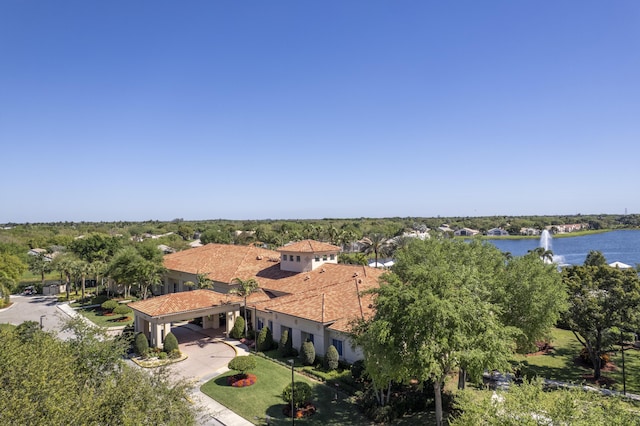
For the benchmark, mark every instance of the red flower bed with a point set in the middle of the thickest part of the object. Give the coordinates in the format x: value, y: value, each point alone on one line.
x: 242, y: 380
x: 307, y: 409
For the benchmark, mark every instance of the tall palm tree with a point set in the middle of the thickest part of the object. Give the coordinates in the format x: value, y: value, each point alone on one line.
x: 376, y: 244
x: 244, y: 289
x: 64, y: 265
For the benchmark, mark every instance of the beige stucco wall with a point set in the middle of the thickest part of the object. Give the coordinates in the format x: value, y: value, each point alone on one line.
x: 307, y: 261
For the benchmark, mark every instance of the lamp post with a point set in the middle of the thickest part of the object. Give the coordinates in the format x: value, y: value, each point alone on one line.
x: 41, y: 318
x: 293, y: 414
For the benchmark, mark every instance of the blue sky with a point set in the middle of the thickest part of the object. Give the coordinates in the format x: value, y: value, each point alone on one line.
x: 136, y: 110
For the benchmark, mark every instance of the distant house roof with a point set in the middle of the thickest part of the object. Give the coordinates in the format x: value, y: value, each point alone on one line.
x: 309, y: 246
x: 466, y: 232
x: 620, y: 265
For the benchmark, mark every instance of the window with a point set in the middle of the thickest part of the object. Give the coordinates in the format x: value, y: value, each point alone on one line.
x: 338, y: 344
x: 324, y: 257
x: 271, y: 326
x: 310, y: 338
x: 291, y: 257
x: 297, y: 258
x: 317, y: 258
x: 332, y: 257
x: 284, y: 257
x: 260, y: 323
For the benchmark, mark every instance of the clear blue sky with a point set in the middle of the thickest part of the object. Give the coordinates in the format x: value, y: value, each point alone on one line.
x: 136, y: 110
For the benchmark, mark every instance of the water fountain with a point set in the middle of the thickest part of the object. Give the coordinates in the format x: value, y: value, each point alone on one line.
x: 546, y: 243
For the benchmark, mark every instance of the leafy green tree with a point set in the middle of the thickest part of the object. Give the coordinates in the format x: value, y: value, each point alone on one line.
x: 301, y: 394
x: 49, y: 381
x: 595, y: 258
x: 96, y: 246
x: 244, y: 289
x: 601, y: 298
x: 40, y: 265
x: 64, y: 263
x: 531, y: 296
x: 11, y: 267
x: 435, y: 310
x: 532, y: 404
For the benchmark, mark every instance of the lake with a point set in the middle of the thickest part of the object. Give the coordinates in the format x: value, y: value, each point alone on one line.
x: 622, y: 246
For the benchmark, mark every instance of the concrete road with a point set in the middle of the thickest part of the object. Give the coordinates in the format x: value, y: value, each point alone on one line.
x: 35, y: 308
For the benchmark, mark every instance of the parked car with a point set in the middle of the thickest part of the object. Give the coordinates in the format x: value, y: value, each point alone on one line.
x: 29, y: 290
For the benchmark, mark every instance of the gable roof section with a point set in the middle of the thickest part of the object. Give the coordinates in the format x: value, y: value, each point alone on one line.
x: 338, y: 285
x: 308, y: 246
x: 190, y: 301
x: 222, y: 262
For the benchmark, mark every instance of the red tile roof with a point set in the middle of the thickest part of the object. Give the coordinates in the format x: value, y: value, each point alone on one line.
x: 222, y: 262
x: 309, y: 246
x: 190, y: 301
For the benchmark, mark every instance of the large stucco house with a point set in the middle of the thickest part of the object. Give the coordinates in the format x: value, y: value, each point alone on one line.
x: 303, y: 289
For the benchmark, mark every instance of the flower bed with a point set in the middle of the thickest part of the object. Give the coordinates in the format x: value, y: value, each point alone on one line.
x: 306, y: 410
x: 242, y: 380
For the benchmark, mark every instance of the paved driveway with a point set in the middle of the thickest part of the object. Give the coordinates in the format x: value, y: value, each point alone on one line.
x: 206, y: 355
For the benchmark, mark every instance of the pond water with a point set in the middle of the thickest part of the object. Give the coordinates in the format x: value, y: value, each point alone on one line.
x: 622, y: 246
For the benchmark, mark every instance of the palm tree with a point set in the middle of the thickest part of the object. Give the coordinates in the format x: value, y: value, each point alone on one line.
x: 244, y: 289
x: 376, y: 244
x: 544, y: 254
x: 39, y: 264
x: 202, y: 281
x: 64, y: 264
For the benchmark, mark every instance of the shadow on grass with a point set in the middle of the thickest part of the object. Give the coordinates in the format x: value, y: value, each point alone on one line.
x: 557, y: 365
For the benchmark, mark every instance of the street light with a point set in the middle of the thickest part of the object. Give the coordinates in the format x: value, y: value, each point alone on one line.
x: 293, y: 414
x: 41, y: 318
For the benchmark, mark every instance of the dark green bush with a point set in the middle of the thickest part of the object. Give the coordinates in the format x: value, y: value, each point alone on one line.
x: 99, y: 300
x: 284, y: 342
x: 175, y: 354
x: 301, y: 393
x: 357, y: 369
x: 109, y: 305
x: 238, y: 328
x: 308, y: 353
x: 170, y: 343
x: 243, y: 364
x: 122, y: 310
x: 265, y: 340
x: 141, y: 344
x: 332, y: 358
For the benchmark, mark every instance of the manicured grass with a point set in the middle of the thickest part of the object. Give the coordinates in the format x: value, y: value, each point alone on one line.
x: 560, y: 363
x: 255, y: 402
x: 95, y: 316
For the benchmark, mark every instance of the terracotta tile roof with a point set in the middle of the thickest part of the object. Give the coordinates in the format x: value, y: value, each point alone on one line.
x: 222, y: 262
x: 309, y: 246
x: 180, y: 302
x: 338, y: 285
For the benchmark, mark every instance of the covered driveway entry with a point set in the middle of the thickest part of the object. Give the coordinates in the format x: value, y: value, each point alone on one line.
x: 154, y: 316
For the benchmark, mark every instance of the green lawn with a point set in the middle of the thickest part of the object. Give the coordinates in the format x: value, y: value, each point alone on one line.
x: 95, y: 315
x: 560, y: 364
x: 255, y: 402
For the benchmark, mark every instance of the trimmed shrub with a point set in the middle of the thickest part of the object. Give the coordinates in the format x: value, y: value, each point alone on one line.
x: 170, y: 343
x: 332, y: 358
x: 109, y: 305
x: 141, y: 344
x: 122, y: 310
x: 238, y: 328
x: 301, y: 393
x: 175, y: 354
x: 265, y: 340
x: 284, y: 347
x: 308, y: 353
x: 99, y: 300
x: 243, y: 364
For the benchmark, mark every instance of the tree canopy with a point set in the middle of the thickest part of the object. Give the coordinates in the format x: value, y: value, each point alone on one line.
x: 601, y: 299
x: 443, y: 308
x: 47, y: 381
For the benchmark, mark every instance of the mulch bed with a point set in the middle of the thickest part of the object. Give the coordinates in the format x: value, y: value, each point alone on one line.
x: 307, y: 409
